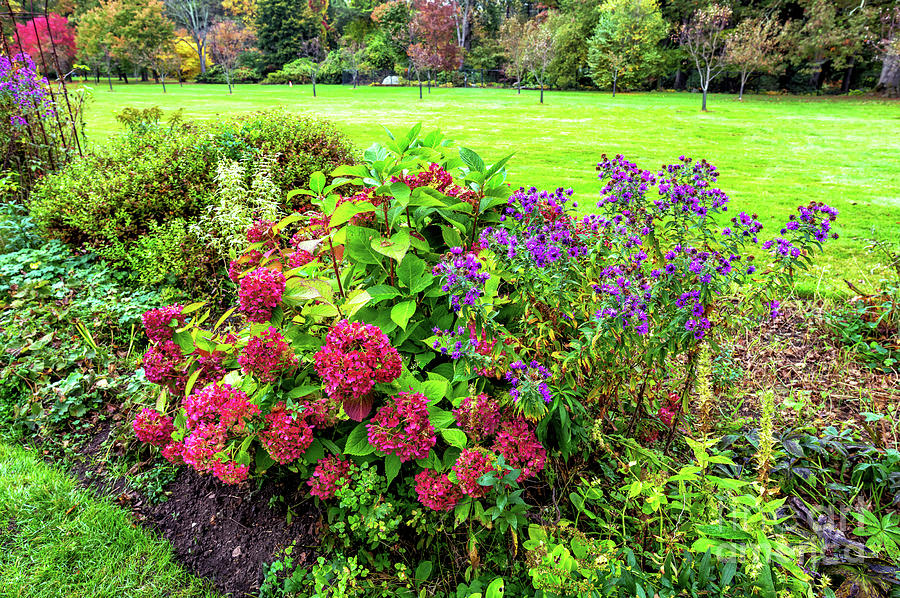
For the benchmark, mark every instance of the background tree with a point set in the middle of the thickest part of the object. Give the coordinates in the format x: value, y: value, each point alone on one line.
x: 433, y: 44
x: 539, y: 50
x: 753, y: 47
x: 352, y: 54
x: 626, y: 41
x: 573, y: 24
x: 513, y: 34
x: 313, y: 55
x: 703, y: 38
x: 95, y: 39
x: 141, y: 31
x: 282, y: 26
x: 164, y: 61
x: 228, y: 39
x: 196, y: 17
x: 889, y: 50
x: 41, y: 29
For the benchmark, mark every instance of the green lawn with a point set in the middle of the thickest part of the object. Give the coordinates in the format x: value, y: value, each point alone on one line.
x: 58, y: 540
x: 773, y: 152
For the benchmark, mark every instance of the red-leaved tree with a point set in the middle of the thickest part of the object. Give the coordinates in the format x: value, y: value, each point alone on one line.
x: 433, y: 38
x: 42, y: 28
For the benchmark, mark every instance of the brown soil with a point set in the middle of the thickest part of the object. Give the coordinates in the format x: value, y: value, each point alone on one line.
x: 223, y: 533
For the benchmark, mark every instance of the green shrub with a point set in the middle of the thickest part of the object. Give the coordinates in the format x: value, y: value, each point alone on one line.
x: 216, y: 74
x: 133, y: 202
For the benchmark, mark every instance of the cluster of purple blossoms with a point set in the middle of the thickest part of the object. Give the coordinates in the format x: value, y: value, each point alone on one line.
x: 813, y: 224
x: 626, y: 184
x: 746, y: 226
x: 23, y: 87
x: 528, y: 380
x: 531, y: 206
x: 462, y: 278
x: 698, y: 323
x: 686, y: 188
x: 626, y: 300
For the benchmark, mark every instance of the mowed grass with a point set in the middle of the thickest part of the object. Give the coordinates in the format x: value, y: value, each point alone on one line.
x: 773, y: 152
x: 58, y: 540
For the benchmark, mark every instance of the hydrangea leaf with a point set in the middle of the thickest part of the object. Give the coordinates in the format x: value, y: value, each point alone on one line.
x: 454, y: 437
x: 391, y: 467
x: 402, y: 312
x: 358, y: 440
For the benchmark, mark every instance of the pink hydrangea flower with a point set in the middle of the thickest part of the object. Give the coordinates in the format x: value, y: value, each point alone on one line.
x: 402, y: 427
x: 260, y: 232
x: 354, y: 358
x: 201, y: 446
x: 153, y: 427
x: 322, y: 412
x: 158, y: 322
x: 172, y: 453
x: 162, y: 365
x: 287, y: 434
x: 436, y: 491
x: 300, y: 258
x: 219, y: 404
x: 478, y: 416
x: 230, y: 472
x: 211, y: 368
x: 325, y: 478
x: 471, y: 465
x: 267, y: 355
x: 517, y: 442
x: 260, y: 292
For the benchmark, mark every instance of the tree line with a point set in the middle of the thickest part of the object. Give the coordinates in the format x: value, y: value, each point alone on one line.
x: 797, y: 45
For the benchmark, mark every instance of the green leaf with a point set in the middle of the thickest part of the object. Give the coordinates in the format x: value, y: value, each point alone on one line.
x: 402, y: 312
x: 380, y: 292
x: 725, y: 532
x: 423, y: 571
x: 401, y: 192
x: 471, y: 159
x: 317, y: 182
x: 184, y: 340
x: 454, y: 437
x: 391, y: 467
x: 314, y: 452
x: 496, y: 589
x: 394, y: 248
x: 440, y: 418
x: 263, y: 461
x: 451, y: 236
x: 461, y: 512
x: 411, y: 270
x: 348, y: 210
x: 358, y: 442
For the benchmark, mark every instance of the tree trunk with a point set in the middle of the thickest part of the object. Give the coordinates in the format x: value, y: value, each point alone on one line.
x: 677, y: 83
x: 615, y: 77
x: 228, y: 80
x: 743, y: 82
x: 848, y: 75
x: 519, y: 85
x: 419, y: 77
x: 314, y: 84
x: 704, y: 100
x: 429, y: 82
x: 162, y: 80
x: 124, y: 76
x: 889, y: 80
x: 542, y: 91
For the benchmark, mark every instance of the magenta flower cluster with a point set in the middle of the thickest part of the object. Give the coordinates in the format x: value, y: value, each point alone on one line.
x: 287, y: 434
x: 436, y: 492
x: 471, y: 466
x: 267, y: 355
x: 158, y: 323
x: 330, y: 472
x: 518, y: 443
x: 260, y: 292
x: 163, y: 365
x: 354, y: 358
x: 153, y: 427
x: 402, y: 427
x: 478, y: 416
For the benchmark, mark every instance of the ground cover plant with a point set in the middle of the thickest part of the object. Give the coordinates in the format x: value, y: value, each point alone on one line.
x: 763, y: 145
x: 387, y: 349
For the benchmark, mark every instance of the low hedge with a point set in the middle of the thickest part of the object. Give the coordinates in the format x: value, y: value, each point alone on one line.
x: 133, y: 201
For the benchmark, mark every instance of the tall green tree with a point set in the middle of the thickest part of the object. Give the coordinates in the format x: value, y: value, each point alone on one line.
x: 283, y: 27
x: 703, y: 38
x: 625, y: 45
x: 753, y: 47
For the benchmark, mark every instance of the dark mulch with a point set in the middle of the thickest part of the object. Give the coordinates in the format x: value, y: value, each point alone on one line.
x: 223, y: 533
x: 9, y: 532
x: 228, y: 533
